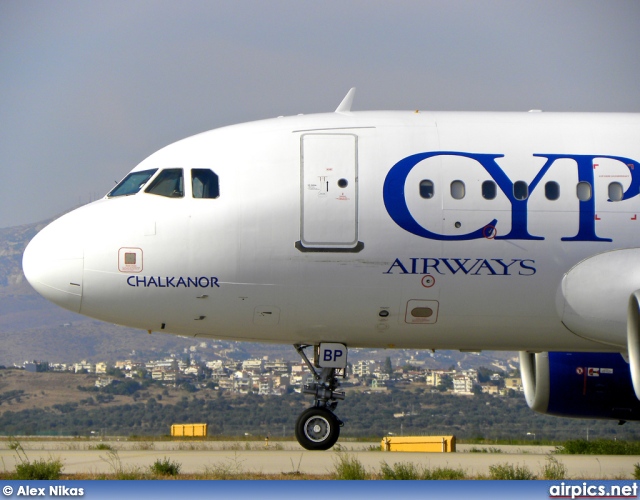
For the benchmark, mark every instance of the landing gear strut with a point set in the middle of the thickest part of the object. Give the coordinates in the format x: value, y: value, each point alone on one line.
x: 318, y: 428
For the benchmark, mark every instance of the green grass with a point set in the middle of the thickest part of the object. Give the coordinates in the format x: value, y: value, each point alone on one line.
x: 441, y: 473
x: 121, y: 472
x: 348, y: 467
x: 101, y: 446
x: 518, y: 442
x: 410, y: 471
x: 598, y: 447
x: 400, y: 471
x: 165, y: 467
x: 41, y: 469
x: 510, y: 472
x: 554, y: 469
x: 491, y: 449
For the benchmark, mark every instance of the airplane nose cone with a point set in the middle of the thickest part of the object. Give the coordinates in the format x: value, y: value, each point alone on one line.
x: 53, y: 263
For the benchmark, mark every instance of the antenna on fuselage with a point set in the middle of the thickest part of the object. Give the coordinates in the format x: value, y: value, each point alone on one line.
x: 345, y: 105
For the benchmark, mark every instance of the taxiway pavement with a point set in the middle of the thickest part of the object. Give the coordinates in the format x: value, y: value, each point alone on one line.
x: 289, y: 457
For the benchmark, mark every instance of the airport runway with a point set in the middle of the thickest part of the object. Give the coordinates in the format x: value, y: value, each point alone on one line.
x: 287, y: 457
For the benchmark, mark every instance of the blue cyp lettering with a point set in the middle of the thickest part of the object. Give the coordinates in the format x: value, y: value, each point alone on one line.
x: 396, y: 204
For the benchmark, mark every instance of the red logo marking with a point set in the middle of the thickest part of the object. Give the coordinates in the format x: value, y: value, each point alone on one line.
x: 489, y: 232
x: 428, y: 281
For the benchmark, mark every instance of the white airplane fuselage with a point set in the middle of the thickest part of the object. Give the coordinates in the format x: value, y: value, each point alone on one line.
x: 325, y: 230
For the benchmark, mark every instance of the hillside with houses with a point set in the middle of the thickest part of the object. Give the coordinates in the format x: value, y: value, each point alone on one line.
x: 213, y: 365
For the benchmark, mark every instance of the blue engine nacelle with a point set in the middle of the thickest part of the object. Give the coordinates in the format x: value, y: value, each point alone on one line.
x: 579, y: 385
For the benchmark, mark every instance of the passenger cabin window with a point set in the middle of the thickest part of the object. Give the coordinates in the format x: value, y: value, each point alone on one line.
x: 520, y: 190
x: 615, y: 191
x: 583, y: 191
x: 132, y: 183
x: 426, y: 189
x: 168, y: 183
x: 552, y: 190
x: 489, y: 190
x: 204, y: 183
x: 457, y: 190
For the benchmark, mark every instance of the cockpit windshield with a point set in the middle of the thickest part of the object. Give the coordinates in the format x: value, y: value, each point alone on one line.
x: 168, y: 183
x: 132, y: 183
x: 204, y: 183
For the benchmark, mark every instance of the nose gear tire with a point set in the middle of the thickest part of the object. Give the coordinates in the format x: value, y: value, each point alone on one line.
x: 317, y: 429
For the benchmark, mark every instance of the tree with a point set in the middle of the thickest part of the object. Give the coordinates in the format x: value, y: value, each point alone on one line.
x: 189, y: 387
x: 42, y: 366
x: 484, y: 374
x: 128, y: 387
x: 112, y: 371
x: 204, y: 373
x: 446, y: 382
x: 388, y: 367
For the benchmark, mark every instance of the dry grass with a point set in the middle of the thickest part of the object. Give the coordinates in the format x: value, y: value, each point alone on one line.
x: 48, y: 389
x: 42, y: 390
x: 202, y: 476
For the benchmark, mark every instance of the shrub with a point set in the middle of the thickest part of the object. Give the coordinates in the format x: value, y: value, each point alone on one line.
x: 39, y: 469
x: 101, y: 446
x: 119, y: 471
x: 510, y: 472
x: 232, y: 468
x: 348, y: 467
x: 165, y: 467
x: 485, y: 450
x: 399, y: 471
x: 443, y: 473
x: 554, y: 469
x: 409, y: 471
x: 598, y: 447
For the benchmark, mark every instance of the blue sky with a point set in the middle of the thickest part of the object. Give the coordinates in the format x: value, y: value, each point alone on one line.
x: 88, y: 89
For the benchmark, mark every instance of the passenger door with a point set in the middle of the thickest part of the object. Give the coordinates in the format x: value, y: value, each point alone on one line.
x: 329, y: 193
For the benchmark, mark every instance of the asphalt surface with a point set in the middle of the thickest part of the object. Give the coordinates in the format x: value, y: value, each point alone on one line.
x: 287, y: 457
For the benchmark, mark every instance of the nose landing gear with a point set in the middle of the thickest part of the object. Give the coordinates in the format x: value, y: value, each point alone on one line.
x: 318, y: 428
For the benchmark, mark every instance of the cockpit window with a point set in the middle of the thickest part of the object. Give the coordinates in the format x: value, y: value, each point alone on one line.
x: 168, y: 183
x: 204, y: 183
x: 132, y: 183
